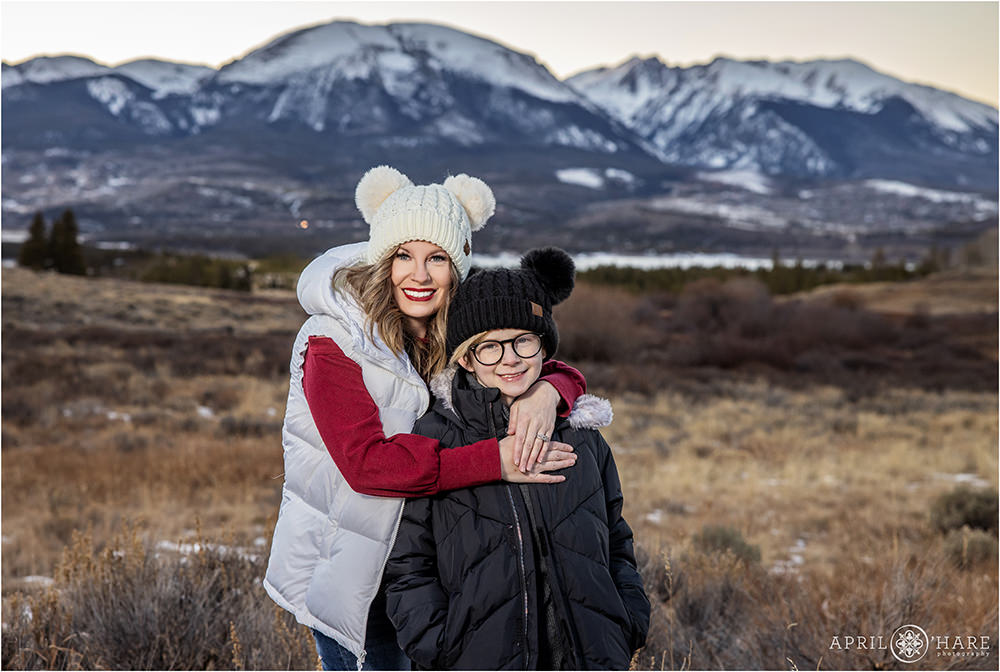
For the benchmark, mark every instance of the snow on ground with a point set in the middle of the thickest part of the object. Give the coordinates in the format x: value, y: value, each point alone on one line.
x: 744, y: 179
x: 655, y: 516
x: 795, y: 559
x: 964, y: 479
x: 13, y: 235
x: 192, y: 548
x: 113, y: 245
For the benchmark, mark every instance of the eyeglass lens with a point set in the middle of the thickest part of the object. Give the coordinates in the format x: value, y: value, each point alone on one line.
x: 491, y: 352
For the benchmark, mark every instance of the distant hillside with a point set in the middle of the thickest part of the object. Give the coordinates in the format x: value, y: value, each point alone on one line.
x: 728, y: 156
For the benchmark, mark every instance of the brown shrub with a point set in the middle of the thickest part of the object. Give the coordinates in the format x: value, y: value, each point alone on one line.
x: 125, y: 608
x: 598, y: 324
x: 715, y: 612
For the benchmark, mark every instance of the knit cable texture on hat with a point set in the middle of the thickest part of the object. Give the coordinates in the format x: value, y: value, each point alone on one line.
x: 397, y: 211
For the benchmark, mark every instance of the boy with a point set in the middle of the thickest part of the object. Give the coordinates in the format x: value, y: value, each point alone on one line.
x: 504, y: 576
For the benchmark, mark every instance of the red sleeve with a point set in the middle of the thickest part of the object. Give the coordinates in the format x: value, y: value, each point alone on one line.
x: 402, y: 465
x: 569, y: 383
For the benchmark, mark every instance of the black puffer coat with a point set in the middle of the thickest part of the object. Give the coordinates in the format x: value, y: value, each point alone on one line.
x: 503, y: 576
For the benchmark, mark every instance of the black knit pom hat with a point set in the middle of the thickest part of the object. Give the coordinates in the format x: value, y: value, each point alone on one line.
x: 513, y: 298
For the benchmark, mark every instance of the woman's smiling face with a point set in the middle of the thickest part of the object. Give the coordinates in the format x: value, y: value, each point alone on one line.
x: 513, y: 374
x: 421, y: 278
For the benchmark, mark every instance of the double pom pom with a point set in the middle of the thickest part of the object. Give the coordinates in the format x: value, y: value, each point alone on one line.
x: 381, y: 182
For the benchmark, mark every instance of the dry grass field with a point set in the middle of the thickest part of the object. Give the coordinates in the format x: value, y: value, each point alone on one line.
x: 782, y: 488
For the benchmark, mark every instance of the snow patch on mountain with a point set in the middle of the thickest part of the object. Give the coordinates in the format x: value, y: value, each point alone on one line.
x: 45, y: 69
x: 584, y: 138
x: 737, y: 215
x: 205, y: 116
x: 583, y: 177
x: 11, y: 76
x: 619, y: 175
x: 305, y: 49
x: 623, y: 90
x: 164, y: 77
x: 114, y: 93
x: 482, y: 58
x: 934, y: 195
x: 593, y: 178
x: 357, y: 51
x: 744, y: 179
x: 642, y: 91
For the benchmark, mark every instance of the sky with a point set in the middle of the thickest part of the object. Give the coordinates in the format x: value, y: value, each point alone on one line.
x: 949, y: 45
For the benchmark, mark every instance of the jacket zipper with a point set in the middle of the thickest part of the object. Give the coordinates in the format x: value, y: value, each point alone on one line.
x: 520, y: 551
x: 524, y: 583
x: 555, y: 581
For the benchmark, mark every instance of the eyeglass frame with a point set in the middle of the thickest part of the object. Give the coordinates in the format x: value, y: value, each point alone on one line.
x: 503, y: 347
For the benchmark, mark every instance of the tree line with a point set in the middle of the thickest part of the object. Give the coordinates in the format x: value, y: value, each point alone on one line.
x: 57, y: 249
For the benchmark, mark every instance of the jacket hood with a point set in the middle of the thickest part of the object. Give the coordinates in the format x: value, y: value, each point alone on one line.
x: 315, y: 286
x: 589, y: 411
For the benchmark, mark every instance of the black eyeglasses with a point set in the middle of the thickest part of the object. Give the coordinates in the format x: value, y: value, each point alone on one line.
x: 524, y: 346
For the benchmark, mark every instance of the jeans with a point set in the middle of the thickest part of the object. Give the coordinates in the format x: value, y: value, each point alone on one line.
x: 381, y: 650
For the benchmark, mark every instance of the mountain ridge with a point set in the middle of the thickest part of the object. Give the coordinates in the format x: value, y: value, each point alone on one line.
x: 285, y: 131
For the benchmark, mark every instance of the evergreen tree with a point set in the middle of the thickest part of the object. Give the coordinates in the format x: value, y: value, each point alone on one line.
x: 35, y: 249
x: 67, y: 257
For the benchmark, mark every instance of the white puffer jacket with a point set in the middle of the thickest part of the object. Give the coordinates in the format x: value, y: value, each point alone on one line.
x: 330, y: 543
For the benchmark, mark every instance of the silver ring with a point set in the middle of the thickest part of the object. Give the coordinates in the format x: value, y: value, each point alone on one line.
x: 543, y: 437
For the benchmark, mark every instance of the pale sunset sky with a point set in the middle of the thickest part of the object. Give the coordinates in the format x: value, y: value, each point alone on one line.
x: 949, y: 45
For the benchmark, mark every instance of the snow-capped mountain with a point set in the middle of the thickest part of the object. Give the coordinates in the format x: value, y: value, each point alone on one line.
x: 821, y: 118
x: 46, y: 69
x: 423, y: 80
x: 164, y: 77
x: 406, y: 83
x: 396, y: 52
x: 638, y: 156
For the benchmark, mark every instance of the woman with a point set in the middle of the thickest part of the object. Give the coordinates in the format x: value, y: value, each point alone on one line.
x: 358, y: 371
x: 501, y: 576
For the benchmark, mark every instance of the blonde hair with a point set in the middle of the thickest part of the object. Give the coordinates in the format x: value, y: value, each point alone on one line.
x: 465, y: 347
x: 371, y: 285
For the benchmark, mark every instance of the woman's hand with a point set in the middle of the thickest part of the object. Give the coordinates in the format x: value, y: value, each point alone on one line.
x: 558, y: 456
x: 532, y: 417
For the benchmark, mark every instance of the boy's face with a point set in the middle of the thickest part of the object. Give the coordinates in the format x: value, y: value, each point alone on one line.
x: 512, y: 374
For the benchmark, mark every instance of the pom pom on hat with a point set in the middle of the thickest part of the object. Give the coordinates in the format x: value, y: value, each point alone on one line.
x: 475, y: 196
x: 397, y: 211
x: 555, y: 271
x: 509, y: 298
x: 377, y: 185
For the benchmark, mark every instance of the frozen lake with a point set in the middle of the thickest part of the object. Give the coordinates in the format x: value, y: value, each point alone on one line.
x: 588, y: 260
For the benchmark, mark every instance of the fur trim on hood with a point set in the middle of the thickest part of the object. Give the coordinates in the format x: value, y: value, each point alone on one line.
x: 589, y: 411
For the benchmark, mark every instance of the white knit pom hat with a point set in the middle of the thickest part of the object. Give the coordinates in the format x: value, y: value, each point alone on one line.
x: 445, y: 214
